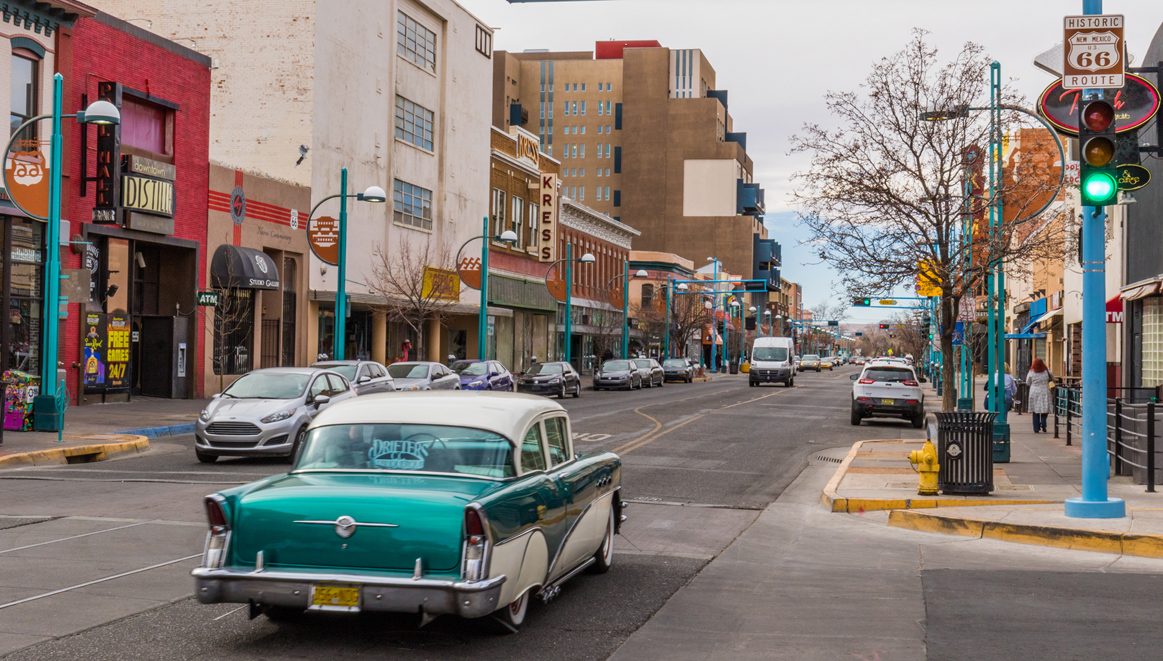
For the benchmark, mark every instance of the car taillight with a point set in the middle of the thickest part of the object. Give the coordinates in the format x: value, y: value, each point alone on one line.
x: 866, y: 381
x: 910, y: 401
x: 911, y: 383
x: 217, y: 539
x: 864, y: 399
x: 476, y: 546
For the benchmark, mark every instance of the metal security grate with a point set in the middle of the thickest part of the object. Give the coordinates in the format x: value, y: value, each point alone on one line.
x: 833, y: 460
x: 232, y: 429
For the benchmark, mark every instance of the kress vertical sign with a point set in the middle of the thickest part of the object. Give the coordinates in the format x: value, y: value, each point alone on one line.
x: 547, y: 223
x: 108, y: 160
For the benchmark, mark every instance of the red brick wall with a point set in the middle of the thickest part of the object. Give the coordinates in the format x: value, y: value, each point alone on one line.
x: 95, y: 52
x: 590, y: 280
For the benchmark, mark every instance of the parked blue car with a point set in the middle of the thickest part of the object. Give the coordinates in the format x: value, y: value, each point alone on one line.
x: 478, y: 374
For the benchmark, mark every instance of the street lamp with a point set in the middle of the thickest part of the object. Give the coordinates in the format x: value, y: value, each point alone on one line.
x: 374, y: 195
x: 625, y: 274
x: 46, y: 415
x: 682, y: 288
x: 569, y: 261
x: 732, y: 309
x: 508, y: 237
x: 714, y: 310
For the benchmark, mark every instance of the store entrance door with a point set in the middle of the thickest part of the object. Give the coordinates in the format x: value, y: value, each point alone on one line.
x: 163, y: 356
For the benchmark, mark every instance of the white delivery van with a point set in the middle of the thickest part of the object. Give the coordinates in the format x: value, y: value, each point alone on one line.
x: 772, y: 361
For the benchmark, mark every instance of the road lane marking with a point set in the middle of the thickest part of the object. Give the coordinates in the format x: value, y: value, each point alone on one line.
x: 95, y: 582
x: 230, y: 613
x: 634, y: 445
x: 65, y: 539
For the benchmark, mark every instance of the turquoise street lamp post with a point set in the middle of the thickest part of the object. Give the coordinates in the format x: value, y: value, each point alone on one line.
x: 46, y: 413
x: 373, y: 194
x: 625, y: 276
x: 509, y: 237
x: 569, y: 260
x: 714, y: 312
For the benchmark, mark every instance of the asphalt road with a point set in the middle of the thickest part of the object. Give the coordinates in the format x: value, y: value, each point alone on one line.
x: 701, y: 461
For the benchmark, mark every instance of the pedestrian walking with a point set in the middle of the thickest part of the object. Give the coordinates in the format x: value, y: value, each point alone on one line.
x: 1009, y: 390
x: 1039, y: 380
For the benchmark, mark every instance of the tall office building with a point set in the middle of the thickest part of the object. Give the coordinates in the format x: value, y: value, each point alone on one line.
x: 643, y: 135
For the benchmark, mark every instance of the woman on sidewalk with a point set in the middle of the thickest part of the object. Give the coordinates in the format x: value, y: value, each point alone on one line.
x: 1039, y: 382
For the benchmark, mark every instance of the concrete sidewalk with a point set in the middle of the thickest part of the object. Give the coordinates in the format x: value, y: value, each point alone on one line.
x: 1025, y: 506
x: 102, y: 431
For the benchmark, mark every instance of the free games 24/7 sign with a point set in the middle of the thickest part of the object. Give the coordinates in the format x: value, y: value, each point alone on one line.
x: 1094, y: 52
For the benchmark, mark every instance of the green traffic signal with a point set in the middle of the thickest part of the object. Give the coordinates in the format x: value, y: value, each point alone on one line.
x: 861, y: 302
x: 1099, y: 189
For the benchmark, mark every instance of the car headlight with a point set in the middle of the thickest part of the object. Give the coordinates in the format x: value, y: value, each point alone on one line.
x: 205, y: 415
x: 556, y: 379
x: 472, y: 385
x: 276, y: 417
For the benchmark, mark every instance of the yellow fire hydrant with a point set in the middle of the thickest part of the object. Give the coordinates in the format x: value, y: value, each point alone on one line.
x: 926, y: 461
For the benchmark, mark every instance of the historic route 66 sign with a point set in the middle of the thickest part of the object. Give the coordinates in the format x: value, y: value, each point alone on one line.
x: 1094, y: 52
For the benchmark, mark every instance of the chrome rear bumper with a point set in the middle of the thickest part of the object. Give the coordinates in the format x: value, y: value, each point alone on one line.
x: 376, y: 593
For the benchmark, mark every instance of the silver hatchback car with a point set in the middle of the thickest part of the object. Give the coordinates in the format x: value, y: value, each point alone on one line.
x: 265, y: 412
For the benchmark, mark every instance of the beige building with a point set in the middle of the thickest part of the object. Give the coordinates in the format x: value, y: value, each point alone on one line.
x: 392, y: 90
x: 644, y: 136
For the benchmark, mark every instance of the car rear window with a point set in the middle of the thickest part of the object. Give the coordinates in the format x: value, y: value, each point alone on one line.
x: 545, y: 368
x: 674, y: 362
x: 412, y: 448
x: 408, y: 371
x: 615, y: 366
x: 894, y: 374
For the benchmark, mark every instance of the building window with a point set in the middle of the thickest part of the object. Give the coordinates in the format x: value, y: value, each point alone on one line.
x: 413, y: 205
x: 583, y: 130
x: 583, y: 151
x: 582, y: 194
x: 416, y: 43
x: 583, y: 108
x: 599, y: 108
x: 24, y: 75
x: 647, y: 295
x: 413, y: 123
x: 484, y: 42
x: 575, y: 107
x: 1152, y: 341
x: 518, y: 221
x: 573, y: 150
x: 583, y: 87
x: 607, y: 108
x: 583, y: 172
x: 531, y: 226
x: 498, y: 212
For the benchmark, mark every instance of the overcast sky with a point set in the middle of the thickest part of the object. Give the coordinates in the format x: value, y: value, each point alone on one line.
x: 778, y: 58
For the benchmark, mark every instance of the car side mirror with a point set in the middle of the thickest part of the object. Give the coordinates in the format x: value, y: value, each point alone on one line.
x: 364, y: 379
x: 854, y: 376
x: 216, y: 395
x: 494, y: 373
x: 321, y: 400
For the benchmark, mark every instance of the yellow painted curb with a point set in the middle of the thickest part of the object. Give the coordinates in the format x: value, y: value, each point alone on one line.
x: 79, y: 453
x: 838, y: 503
x: 1102, y: 541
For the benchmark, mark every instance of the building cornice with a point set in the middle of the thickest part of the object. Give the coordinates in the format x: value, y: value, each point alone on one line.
x: 584, y: 219
x: 523, y: 166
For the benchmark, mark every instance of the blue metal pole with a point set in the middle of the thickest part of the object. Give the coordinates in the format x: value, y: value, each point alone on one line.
x: 52, y: 282
x: 341, y: 290
x: 1094, y: 503
x: 568, y: 299
x: 626, y: 308
x: 715, y: 317
x: 669, y: 286
x: 483, y: 320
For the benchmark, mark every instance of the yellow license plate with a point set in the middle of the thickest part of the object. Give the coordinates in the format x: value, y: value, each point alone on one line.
x: 327, y: 596
x: 887, y: 401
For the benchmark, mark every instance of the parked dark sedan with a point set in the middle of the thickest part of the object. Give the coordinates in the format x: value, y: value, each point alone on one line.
x: 678, y: 369
x: 476, y: 374
x: 617, y: 374
x: 551, y: 379
x: 366, y: 376
x: 650, y: 371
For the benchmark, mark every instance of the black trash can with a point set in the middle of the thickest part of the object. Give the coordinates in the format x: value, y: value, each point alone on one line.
x: 965, y: 452
x: 734, y: 365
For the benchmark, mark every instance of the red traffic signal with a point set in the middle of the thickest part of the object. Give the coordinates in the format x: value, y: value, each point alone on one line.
x: 883, y: 326
x: 1098, y: 116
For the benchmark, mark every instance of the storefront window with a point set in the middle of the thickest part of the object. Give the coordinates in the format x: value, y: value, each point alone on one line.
x: 25, y: 295
x: 233, y: 331
x: 143, y: 125
x: 1152, y: 341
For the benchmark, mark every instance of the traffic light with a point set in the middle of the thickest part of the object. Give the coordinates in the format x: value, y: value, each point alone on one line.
x: 883, y: 326
x: 1096, y: 137
x: 861, y: 302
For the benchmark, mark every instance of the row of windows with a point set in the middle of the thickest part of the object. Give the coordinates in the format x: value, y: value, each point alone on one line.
x: 575, y: 172
x: 579, y: 151
x: 607, y: 87
x: 574, y: 107
x: 574, y: 130
x: 579, y: 192
x: 609, y: 263
x: 521, y: 219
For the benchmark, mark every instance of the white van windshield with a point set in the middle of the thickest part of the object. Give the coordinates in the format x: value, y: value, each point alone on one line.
x: 777, y: 354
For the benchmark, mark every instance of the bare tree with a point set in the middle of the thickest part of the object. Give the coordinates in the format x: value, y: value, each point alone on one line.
x: 688, y: 314
x: 231, y: 326
x: 417, y: 281
x: 889, y: 193
x: 607, y: 325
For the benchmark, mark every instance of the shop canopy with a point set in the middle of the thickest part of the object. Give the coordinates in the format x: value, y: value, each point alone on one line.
x: 235, y: 267
x: 1049, y: 316
x: 1140, y: 290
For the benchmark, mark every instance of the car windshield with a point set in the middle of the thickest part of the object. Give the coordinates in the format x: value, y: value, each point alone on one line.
x: 642, y: 363
x: 892, y: 374
x: 406, y: 371
x: 413, y: 448
x: 348, y: 371
x: 769, y: 353
x: 615, y: 366
x: 545, y: 368
x: 268, y: 385
x: 469, y: 369
x: 674, y: 362
x: 811, y: 357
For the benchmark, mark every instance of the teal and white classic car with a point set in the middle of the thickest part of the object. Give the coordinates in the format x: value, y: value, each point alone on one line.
x: 435, y: 503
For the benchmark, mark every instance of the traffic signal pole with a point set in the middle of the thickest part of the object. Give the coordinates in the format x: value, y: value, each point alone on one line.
x: 1094, y: 502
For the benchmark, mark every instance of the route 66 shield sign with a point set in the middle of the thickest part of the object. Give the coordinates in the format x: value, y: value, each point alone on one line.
x: 1094, y: 52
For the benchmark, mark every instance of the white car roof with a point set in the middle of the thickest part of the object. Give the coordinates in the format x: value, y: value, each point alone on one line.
x: 507, y: 414
x: 888, y: 363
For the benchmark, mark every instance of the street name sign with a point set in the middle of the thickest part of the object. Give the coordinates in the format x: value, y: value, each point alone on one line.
x: 1094, y: 52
